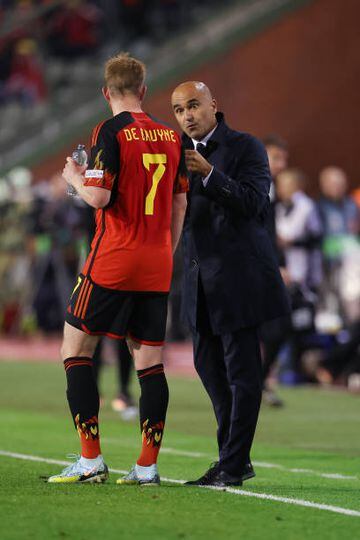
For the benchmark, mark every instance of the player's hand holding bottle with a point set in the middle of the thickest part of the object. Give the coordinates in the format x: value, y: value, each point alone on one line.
x: 75, y: 166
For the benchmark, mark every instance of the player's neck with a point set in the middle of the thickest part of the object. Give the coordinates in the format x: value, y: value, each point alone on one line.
x: 128, y: 104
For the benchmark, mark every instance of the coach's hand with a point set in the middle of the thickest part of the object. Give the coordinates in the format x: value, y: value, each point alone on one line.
x: 196, y: 163
x: 72, y: 171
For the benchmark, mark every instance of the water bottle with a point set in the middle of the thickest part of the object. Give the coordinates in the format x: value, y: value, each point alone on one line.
x: 80, y: 156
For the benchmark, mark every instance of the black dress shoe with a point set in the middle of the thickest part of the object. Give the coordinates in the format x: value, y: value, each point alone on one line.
x: 216, y: 478
x: 222, y: 479
x: 203, y: 480
x: 248, y: 472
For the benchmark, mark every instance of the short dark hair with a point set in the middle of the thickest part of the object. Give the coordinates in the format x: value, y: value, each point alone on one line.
x: 275, y: 140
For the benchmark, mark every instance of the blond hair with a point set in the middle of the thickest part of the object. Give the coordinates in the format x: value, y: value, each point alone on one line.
x: 124, y: 75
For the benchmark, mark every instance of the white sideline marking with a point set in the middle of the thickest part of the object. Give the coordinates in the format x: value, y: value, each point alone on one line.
x: 264, y: 465
x: 333, y: 476
x: 298, y: 502
x: 28, y: 457
x: 260, y: 464
x: 265, y: 496
x: 184, y: 453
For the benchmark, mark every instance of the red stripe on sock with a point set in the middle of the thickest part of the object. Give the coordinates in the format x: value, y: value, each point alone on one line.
x: 73, y: 364
x: 149, y: 373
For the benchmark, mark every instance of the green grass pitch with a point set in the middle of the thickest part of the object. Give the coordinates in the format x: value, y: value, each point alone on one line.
x: 308, y: 451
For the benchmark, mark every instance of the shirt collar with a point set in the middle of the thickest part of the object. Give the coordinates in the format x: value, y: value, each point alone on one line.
x: 205, y: 139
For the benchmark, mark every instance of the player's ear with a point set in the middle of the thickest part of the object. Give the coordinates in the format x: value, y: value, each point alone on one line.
x: 106, y: 93
x: 143, y: 91
x: 214, y: 105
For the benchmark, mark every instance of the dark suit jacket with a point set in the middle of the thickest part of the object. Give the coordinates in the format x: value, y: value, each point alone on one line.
x: 225, y: 240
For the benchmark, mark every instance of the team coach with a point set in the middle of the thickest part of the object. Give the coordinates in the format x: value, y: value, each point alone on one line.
x: 232, y: 281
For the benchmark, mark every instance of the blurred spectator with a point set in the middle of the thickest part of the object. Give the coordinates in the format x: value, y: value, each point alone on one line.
x: 57, y: 232
x: 274, y: 333
x: 73, y: 31
x: 340, y: 218
x: 338, y: 211
x: 16, y: 198
x: 298, y: 230
x: 278, y: 155
x: 26, y: 82
x: 342, y: 363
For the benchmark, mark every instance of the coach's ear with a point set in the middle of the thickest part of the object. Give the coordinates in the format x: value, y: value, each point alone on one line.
x: 106, y: 93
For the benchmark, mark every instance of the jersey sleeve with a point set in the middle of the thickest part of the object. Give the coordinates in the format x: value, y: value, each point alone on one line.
x: 103, y: 167
x: 181, y: 184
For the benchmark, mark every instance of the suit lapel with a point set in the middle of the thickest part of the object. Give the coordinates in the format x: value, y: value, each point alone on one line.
x: 210, y: 148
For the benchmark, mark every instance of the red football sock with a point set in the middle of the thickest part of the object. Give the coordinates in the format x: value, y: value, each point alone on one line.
x: 89, y: 437
x: 151, y: 442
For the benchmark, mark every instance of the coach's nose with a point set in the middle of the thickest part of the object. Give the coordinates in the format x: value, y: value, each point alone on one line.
x: 189, y: 114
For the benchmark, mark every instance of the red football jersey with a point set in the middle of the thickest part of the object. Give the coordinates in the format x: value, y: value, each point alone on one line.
x: 140, y: 160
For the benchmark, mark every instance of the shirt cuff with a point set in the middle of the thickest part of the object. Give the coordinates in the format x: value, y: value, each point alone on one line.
x: 206, y: 179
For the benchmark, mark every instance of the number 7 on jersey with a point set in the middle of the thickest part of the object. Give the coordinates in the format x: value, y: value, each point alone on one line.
x: 159, y: 160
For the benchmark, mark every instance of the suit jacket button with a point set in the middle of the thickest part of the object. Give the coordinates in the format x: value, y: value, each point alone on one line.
x: 226, y: 191
x: 194, y: 262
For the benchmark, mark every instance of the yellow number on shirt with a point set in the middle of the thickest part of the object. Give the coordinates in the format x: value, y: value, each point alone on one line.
x: 159, y: 160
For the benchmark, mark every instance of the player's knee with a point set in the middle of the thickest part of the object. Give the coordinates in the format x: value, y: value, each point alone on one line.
x: 145, y: 356
x: 69, y: 350
x: 76, y: 343
x: 64, y: 350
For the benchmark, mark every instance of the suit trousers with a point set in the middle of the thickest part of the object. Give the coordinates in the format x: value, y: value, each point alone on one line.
x: 229, y: 366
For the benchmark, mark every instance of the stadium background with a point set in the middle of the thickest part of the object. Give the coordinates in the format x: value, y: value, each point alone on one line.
x: 288, y: 67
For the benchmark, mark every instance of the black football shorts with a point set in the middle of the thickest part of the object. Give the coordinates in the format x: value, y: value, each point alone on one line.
x: 101, y: 311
